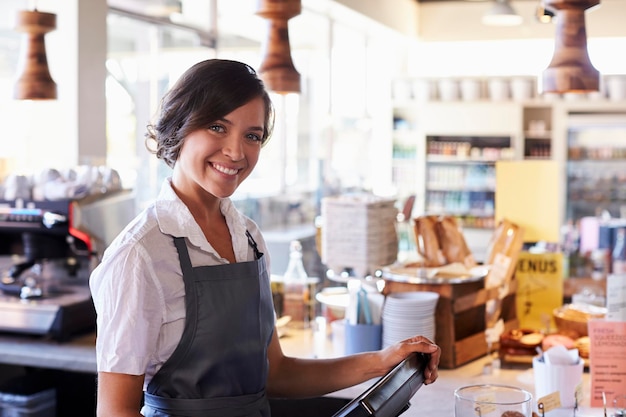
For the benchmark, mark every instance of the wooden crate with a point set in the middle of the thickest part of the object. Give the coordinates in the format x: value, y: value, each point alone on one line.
x: 460, y: 317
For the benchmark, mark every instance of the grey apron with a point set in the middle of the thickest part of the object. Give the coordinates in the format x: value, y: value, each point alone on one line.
x: 220, y: 366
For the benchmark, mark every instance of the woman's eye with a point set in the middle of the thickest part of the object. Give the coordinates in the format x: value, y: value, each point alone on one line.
x: 216, y: 128
x: 254, y: 137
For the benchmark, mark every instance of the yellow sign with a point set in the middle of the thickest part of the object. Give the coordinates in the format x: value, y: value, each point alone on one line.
x: 528, y: 193
x: 539, y: 289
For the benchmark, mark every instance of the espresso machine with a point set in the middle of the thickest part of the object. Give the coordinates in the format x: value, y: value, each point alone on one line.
x: 47, y: 252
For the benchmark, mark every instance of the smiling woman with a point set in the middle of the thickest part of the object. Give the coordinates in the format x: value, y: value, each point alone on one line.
x: 193, y: 265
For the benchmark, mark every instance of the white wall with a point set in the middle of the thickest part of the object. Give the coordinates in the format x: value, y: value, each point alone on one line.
x: 70, y: 130
x: 400, y: 15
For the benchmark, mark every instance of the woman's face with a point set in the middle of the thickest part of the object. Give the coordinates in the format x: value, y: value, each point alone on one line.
x: 217, y: 159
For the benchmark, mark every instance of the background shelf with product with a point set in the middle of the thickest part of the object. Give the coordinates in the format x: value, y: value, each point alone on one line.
x: 404, y: 152
x: 456, y: 147
x: 461, y: 178
x: 596, y: 157
x: 585, y: 138
x: 537, y: 131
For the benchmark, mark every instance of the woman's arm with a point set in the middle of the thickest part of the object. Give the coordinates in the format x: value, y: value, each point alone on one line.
x: 295, y: 377
x: 119, y: 395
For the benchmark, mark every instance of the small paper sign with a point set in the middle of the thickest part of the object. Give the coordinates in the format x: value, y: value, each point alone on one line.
x: 550, y: 401
x: 607, y: 358
x: 539, y: 288
x: 579, y: 393
x: 488, y: 407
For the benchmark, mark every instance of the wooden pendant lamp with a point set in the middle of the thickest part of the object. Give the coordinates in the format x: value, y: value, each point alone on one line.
x: 570, y: 69
x: 277, y: 70
x: 35, y: 82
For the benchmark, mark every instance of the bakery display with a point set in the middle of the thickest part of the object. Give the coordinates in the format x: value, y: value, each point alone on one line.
x: 418, y: 273
x: 520, y: 342
x: 556, y: 339
x: 520, y: 345
x: 574, y: 317
x: 582, y: 344
x: 440, y: 241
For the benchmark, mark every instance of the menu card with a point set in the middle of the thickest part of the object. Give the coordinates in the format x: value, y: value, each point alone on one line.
x: 539, y: 288
x: 607, y: 360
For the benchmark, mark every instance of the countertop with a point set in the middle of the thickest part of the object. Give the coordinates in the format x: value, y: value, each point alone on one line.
x: 78, y: 355
x: 437, y: 399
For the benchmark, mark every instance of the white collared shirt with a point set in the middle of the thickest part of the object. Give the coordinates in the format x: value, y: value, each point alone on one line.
x: 138, y: 290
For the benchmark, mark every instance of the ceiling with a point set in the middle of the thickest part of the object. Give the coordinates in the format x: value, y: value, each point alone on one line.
x: 473, y: 1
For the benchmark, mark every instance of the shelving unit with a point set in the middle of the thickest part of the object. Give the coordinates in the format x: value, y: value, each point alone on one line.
x: 404, y: 153
x: 595, y: 186
x: 537, y: 129
x: 456, y: 146
x: 461, y: 177
x: 596, y: 157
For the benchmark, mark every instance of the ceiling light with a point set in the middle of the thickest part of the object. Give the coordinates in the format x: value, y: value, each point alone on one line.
x: 571, y: 69
x: 501, y: 14
x: 543, y: 14
x: 34, y: 82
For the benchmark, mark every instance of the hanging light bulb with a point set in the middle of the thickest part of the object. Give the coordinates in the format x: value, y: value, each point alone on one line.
x: 543, y: 14
x: 34, y: 82
x: 501, y: 14
x: 277, y: 69
x: 571, y: 69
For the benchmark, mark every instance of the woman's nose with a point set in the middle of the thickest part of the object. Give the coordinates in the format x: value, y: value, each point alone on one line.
x: 233, y: 148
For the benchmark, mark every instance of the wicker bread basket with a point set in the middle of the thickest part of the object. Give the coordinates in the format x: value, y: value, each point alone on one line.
x: 574, y: 317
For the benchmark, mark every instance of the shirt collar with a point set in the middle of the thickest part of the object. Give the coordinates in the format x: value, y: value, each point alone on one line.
x: 175, y: 219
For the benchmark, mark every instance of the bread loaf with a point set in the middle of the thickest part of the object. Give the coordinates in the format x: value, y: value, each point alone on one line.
x: 452, y: 242
x: 427, y: 241
x: 507, y: 240
x: 504, y: 248
x: 440, y: 241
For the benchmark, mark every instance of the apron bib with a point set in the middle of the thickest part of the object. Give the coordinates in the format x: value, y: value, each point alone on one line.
x: 220, y: 366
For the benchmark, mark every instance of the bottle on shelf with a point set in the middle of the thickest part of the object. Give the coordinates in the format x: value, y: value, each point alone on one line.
x: 295, y: 279
x: 618, y: 255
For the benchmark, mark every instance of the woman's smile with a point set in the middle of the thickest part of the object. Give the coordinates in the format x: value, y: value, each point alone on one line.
x: 223, y: 169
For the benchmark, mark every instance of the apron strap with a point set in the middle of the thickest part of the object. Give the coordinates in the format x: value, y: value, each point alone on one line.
x: 252, y: 242
x: 183, y: 255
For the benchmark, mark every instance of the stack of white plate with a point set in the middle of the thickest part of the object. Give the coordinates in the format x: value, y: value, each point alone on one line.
x: 408, y: 314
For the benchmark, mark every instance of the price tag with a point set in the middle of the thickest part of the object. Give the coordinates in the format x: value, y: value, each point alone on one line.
x: 578, y: 393
x: 485, y: 404
x: 550, y: 401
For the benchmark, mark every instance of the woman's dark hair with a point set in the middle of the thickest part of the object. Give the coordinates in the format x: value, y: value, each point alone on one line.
x: 206, y: 92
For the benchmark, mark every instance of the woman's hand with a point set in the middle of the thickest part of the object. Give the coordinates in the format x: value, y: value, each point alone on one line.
x: 394, y: 354
x: 305, y: 377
